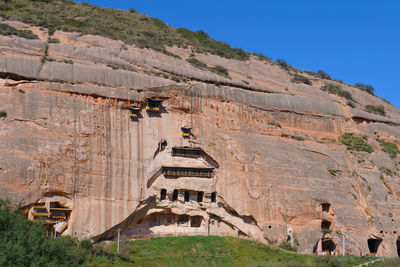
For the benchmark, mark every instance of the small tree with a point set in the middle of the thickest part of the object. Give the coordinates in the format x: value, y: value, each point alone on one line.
x: 365, y: 87
x: 323, y: 74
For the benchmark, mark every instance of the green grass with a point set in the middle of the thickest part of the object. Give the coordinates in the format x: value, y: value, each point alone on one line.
x: 389, y: 148
x: 355, y: 143
x: 378, y: 109
x: 218, y: 251
x: 8, y: 30
x: 3, y: 114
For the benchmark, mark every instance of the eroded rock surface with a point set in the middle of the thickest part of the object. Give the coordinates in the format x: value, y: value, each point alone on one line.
x: 69, y: 138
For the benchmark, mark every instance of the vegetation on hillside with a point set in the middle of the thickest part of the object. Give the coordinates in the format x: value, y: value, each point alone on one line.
x: 355, y: 143
x: 217, y: 69
x: 365, y: 87
x: 24, y: 243
x: 378, y: 109
x: 297, y: 78
x: 3, y: 114
x: 128, y: 26
x: 8, y: 30
x: 337, y: 90
x: 389, y: 148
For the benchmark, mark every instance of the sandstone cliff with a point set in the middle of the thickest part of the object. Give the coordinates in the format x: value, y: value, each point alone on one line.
x: 279, y: 171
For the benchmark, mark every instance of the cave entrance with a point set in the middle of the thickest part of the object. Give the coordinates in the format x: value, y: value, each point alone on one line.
x: 187, y: 196
x: 325, y: 224
x: 398, y: 246
x: 328, y: 245
x: 325, y: 207
x: 163, y: 194
x: 200, y: 196
x: 373, y: 245
x: 214, y: 197
x: 175, y: 195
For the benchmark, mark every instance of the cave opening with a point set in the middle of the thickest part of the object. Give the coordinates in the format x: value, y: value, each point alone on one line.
x: 200, y: 196
x: 325, y: 207
x: 373, y: 245
x: 214, y: 197
x: 325, y: 224
x: 186, y: 196
x: 175, y: 195
x: 398, y: 246
x: 163, y: 194
x: 328, y: 245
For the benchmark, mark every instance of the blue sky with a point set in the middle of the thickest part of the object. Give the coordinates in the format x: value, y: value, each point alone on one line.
x: 352, y: 40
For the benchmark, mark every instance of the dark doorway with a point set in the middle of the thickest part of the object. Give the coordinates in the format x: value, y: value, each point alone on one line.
x: 163, y: 194
x: 325, y: 224
x: 325, y: 207
x: 328, y: 245
x: 175, y: 195
x: 214, y: 197
x: 373, y: 245
x: 200, y: 196
x: 398, y: 246
x: 187, y: 195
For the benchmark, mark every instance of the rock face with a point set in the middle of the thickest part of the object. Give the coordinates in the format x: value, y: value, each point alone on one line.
x: 270, y: 165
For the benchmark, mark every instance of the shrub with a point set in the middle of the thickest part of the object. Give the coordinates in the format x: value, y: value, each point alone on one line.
x: 365, y: 87
x: 203, y: 43
x: 298, y: 138
x: 389, y: 148
x: 355, y: 143
x: 217, y: 69
x: 8, y: 30
x: 262, y: 57
x: 196, y: 63
x: 386, y: 171
x: 275, y: 124
x: 337, y: 90
x: 333, y: 172
x: 3, y: 114
x: 379, y: 109
x: 297, y: 78
x: 323, y: 74
x: 53, y: 41
x: 281, y: 62
x: 220, y: 71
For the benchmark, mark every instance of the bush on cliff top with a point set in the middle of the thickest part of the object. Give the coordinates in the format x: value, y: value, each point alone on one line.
x: 355, y: 143
x: 297, y: 78
x: 130, y: 27
x: 8, y: 30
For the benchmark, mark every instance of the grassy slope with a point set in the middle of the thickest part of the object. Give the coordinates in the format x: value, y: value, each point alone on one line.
x: 130, y: 27
x: 218, y: 251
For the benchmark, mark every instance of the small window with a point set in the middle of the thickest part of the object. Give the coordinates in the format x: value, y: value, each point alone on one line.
x: 175, y: 195
x: 214, y: 197
x: 187, y: 195
x: 325, y: 207
x: 200, y: 196
x: 163, y: 195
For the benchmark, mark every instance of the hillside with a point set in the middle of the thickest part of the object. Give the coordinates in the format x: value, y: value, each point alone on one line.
x: 220, y: 251
x: 101, y: 135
